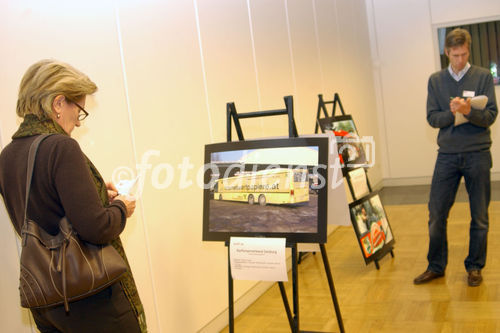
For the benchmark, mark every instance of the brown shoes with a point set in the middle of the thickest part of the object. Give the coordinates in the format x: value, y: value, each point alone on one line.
x: 427, y: 276
x: 474, y: 279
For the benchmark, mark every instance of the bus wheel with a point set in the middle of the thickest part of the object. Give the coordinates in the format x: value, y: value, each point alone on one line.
x: 262, y: 200
x: 220, y: 196
x: 251, y: 200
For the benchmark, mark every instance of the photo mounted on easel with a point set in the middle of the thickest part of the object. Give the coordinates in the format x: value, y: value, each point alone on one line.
x: 267, y: 188
x: 372, y: 227
x: 359, y: 183
x: 351, y: 151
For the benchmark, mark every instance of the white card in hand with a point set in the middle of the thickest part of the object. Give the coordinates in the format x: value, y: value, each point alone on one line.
x: 124, y: 186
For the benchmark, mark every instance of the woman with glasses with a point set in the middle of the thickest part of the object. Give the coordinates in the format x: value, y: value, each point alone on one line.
x: 51, y: 100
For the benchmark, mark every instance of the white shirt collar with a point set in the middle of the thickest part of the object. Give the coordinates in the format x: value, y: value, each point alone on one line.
x: 460, y: 74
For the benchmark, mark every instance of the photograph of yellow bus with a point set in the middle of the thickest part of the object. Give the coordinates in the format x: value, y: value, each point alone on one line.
x: 266, y: 189
x: 270, y: 186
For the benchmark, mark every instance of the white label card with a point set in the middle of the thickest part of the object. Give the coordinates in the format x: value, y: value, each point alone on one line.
x: 468, y: 93
x: 260, y: 259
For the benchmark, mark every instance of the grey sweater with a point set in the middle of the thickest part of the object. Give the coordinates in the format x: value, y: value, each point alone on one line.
x: 471, y: 136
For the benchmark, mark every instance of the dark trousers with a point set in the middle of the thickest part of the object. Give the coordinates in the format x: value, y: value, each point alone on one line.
x: 475, y: 168
x: 108, y: 311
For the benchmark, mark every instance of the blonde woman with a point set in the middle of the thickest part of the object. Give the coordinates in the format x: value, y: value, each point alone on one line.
x: 51, y: 99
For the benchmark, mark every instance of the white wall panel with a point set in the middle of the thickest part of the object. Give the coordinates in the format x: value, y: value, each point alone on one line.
x: 229, y: 64
x: 406, y: 61
x: 274, y: 65
x: 306, y: 63
x: 449, y: 11
x: 329, y: 47
x: 230, y: 75
x: 355, y: 84
x: 169, y: 115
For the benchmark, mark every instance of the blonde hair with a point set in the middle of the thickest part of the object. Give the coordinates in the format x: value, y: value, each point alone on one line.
x: 45, y: 80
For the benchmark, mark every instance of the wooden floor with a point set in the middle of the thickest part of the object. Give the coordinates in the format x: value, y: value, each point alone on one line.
x: 386, y: 300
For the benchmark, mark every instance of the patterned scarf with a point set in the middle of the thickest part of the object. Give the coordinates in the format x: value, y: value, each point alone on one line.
x: 32, y: 125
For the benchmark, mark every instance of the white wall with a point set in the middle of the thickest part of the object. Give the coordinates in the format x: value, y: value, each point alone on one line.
x: 404, y: 54
x: 165, y: 71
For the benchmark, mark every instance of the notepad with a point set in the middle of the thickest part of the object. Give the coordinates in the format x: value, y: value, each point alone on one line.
x: 477, y: 102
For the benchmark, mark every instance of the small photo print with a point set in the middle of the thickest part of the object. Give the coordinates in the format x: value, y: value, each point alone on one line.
x: 350, y: 147
x: 371, y: 225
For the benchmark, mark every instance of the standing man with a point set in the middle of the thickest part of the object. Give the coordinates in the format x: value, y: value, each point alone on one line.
x: 464, y: 150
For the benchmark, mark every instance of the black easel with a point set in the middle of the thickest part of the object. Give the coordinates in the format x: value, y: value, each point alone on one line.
x: 293, y: 318
x: 231, y: 113
x: 322, y: 107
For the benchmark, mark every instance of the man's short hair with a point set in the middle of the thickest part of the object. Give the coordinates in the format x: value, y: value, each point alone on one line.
x: 457, y: 37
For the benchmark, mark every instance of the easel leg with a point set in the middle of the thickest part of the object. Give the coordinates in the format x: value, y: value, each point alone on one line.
x: 376, y: 264
x: 295, y: 275
x: 230, y: 294
x: 285, y: 303
x: 392, y: 253
x: 332, y: 287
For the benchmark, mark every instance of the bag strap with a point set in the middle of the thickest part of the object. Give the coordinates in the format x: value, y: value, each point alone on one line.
x: 61, y: 266
x: 29, y: 172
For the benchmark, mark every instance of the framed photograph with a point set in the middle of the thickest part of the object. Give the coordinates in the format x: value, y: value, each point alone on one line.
x: 351, y: 152
x: 267, y: 188
x: 372, y: 228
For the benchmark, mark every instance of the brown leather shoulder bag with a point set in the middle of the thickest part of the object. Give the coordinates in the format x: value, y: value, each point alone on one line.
x: 62, y: 268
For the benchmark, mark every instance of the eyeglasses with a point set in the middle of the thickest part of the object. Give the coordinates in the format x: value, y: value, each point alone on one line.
x: 82, y: 114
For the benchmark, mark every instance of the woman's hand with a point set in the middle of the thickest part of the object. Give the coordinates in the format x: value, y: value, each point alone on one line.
x: 113, y: 194
x: 112, y: 191
x: 129, y: 203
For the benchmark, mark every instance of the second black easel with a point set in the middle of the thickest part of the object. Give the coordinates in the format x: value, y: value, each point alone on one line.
x: 322, y: 109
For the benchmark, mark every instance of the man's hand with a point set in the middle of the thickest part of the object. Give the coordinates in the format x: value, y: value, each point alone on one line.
x: 460, y: 105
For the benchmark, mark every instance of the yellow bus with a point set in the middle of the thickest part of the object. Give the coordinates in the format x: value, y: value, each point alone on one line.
x: 273, y: 186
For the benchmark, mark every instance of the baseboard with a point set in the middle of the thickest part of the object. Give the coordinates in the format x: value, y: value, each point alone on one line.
x: 408, y: 181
